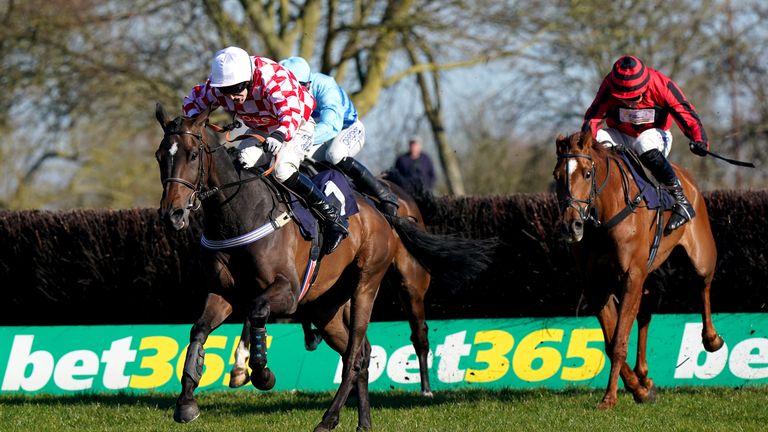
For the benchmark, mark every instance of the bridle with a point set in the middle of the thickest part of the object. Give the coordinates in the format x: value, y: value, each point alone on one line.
x: 199, y: 192
x: 197, y: 188
x: 587, y: 212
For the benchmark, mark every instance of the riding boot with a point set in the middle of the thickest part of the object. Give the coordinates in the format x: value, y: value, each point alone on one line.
x: 662, y: 170
x: 369, y: 184
x: 336, y: 227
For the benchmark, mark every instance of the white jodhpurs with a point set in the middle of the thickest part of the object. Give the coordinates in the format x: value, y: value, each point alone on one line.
x: 290, y: 155
x: 650, y: 139
x: 347, y: 143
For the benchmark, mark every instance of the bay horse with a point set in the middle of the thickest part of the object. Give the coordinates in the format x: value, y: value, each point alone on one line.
x: 264, y: 276
x: 592, y: 185
x: 408, y: 276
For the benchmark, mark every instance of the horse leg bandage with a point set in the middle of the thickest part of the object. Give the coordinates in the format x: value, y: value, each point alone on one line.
x: 258, y: 348
x: 193, y: 364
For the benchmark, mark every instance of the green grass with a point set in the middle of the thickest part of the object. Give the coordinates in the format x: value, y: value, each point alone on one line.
x: 701, y: 409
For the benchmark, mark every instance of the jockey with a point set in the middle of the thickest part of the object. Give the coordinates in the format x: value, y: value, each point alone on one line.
x: 270, y: 101
x: 638, y: 104
x: 339, y: 134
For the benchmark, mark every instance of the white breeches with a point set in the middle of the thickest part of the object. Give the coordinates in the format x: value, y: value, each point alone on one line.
x: 650, y: 139
x: 347, y: 143
x: 290, y: 156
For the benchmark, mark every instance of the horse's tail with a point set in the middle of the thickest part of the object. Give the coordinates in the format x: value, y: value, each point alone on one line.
x: 451, y: 260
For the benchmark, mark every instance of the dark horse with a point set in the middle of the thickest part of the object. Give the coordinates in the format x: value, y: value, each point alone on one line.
x: 264, y: 276
x: 411, y: 279
x: 592, y: 184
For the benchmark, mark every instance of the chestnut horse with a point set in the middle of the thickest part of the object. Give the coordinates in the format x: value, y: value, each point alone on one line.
x: 592, y: 184
x: 264, y: 274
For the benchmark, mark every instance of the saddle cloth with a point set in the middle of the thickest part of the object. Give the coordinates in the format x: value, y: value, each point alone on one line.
x: 653, y: 199
x: 339, y: 193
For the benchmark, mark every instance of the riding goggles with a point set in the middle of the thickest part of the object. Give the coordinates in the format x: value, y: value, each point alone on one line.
x: 235, y: 88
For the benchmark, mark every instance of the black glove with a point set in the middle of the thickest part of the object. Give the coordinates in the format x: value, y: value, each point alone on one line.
x: 699, y: 148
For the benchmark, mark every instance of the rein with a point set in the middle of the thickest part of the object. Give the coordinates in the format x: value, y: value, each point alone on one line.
x: 589, y: 211
x: 198, y: 193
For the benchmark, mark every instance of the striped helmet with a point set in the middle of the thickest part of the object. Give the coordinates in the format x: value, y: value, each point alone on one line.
x: 629, y: 78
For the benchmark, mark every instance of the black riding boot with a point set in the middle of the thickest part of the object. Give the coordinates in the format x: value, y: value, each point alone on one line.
x: 336, y: 227
x: 369, y: 184
x: 662, y: 170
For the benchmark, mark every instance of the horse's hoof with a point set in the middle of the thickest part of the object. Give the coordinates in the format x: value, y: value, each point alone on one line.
x: 264, y: 380
x: 652, y: 394
x: 649, y: 397
x: 606, y: 405
x: 311, y: 343
x: 428, y: 394
x: 238, y: 378
x: 186, y: 413
x: 363, y: 429
x: 713, y: 345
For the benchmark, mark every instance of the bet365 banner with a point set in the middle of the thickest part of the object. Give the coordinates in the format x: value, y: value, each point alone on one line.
x: 518, y: 353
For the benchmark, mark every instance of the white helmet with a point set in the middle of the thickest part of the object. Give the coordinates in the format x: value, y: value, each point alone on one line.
x: 298, y: 66
x: 231, y: 66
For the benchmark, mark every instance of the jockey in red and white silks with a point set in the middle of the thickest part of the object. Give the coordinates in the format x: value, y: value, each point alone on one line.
x: 268, y: 99
x: 274, y: 104
x: 638, y: 105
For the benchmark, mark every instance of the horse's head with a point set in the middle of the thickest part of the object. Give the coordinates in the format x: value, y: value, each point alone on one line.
x: 181, y: 156
x: 575, y: 183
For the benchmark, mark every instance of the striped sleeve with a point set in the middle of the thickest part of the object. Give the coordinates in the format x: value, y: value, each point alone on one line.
x: 291, y: 102
x: 683, y: 112
x: 596, y: 111
x: 198, y: 100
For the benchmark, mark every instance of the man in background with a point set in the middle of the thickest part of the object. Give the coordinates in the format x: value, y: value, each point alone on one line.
x: 416, y: 166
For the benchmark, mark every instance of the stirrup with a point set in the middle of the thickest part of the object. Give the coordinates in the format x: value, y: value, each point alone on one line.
x: 680, y: 216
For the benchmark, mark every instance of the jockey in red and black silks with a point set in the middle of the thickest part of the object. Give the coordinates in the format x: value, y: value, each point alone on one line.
x: 638, y: 105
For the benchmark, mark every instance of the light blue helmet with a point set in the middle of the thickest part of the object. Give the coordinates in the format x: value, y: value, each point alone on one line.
x: 298, y: 66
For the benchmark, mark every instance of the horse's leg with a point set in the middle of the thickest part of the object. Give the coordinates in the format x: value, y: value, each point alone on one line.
x: 413, y: 280
x: 628, y: 308
x: 702, y: 251
x: 217, y: 309
x: 360, y: 316
x: 312, y: 337
x: 363, y: 400
x: 641, y: 363
x: 239, y: 377
x: 276, y: 298
x: 607, y: 317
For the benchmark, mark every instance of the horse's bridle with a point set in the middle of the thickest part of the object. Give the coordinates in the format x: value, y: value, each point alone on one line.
x: 198, y: 193
x: 588, y: 212
x: 197, y: 187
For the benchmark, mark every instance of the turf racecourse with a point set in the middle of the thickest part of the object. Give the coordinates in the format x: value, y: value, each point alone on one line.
x: 686, y: 409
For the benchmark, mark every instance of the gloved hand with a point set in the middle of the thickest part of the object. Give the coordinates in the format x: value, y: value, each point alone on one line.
x: 272, y: 145
x: 249, y: 156
x: 699, y: 148
x: 274, y: 142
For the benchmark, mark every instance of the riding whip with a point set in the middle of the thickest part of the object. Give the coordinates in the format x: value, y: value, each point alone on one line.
x: 730, y: 161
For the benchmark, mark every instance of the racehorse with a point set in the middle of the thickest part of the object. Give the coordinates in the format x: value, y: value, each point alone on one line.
x: 592, y: 185
x: 264, y: 275
x: 411, y: 279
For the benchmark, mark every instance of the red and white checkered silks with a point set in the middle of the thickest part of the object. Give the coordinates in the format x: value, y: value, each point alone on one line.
x: 276, y: 101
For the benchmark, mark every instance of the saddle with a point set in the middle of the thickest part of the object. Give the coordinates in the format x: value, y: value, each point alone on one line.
x: 654, y: 194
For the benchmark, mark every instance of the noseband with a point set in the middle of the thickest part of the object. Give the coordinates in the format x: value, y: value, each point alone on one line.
x: 198, y: 193
x: 588, y: 212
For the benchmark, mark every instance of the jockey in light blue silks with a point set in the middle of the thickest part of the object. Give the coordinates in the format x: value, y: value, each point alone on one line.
x: 339, y: 133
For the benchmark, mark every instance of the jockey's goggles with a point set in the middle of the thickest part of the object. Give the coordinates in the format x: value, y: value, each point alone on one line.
x: 234, y: 89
